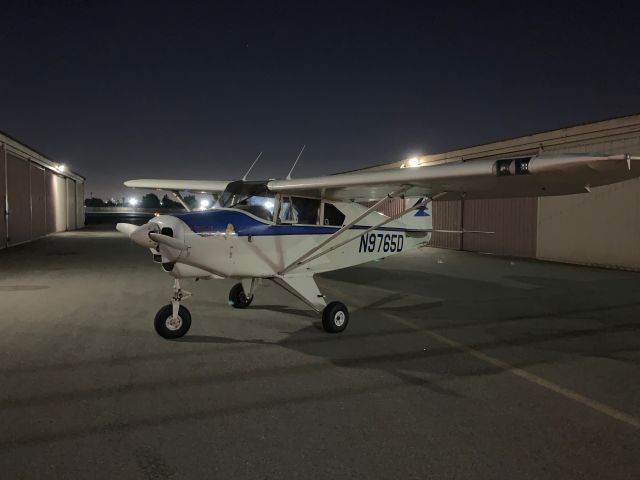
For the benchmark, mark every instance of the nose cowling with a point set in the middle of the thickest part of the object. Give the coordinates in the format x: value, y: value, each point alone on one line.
x: 160, y: 233
x: 169, y: 238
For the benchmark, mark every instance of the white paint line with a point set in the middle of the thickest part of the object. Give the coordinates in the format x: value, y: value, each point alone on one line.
x: 530, y: 377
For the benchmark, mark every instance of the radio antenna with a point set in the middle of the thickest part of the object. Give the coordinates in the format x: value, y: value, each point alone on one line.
x: 252, y: 165
x: 296, y: 162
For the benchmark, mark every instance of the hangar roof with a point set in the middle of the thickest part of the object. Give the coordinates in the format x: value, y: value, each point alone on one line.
x: 20, y: 149
x: 560, y: 140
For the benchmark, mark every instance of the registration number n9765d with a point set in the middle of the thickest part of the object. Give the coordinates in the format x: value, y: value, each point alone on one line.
x: 381, y: 242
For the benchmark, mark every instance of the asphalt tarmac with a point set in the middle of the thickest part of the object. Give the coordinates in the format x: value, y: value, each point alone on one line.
x: 454, y: 365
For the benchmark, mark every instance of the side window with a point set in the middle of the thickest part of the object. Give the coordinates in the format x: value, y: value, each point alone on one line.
x: 286, y: 214
x: 306, y: 210
x: 332, y: 216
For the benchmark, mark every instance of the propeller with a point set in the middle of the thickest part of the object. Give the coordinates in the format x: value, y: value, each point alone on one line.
x: 168, y: 241
x: 139, y: 235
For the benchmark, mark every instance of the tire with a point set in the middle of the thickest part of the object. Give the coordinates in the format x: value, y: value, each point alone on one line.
x: 335, y: 317
x: 174, y: 329
x: 237, y: 298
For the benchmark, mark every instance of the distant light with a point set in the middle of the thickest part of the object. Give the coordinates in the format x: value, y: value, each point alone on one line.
x: 133, y: 201
x: 204, y: 203
x: 413, y: 162
x: 62, y: 167
x: 156, y: 214
x: 268, y: 204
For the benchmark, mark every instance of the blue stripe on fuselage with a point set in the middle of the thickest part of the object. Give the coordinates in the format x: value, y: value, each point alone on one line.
x: 216, y: 221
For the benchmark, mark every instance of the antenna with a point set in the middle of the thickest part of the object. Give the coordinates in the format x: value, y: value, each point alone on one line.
x: 252, y: 165
x: 296, y: 162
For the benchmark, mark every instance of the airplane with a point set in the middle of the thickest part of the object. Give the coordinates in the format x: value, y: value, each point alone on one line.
x: 288, y: 230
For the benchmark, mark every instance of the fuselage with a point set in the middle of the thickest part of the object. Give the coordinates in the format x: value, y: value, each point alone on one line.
x: 230, y: 242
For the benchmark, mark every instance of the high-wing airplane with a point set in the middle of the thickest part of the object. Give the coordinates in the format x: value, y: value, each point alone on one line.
x: 288, y: 230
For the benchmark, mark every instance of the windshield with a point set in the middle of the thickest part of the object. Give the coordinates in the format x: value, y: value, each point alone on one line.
x: 252, y: 197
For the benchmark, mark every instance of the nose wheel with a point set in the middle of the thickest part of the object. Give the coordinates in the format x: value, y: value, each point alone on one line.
x: 170, y: 326
x: 174, y: 320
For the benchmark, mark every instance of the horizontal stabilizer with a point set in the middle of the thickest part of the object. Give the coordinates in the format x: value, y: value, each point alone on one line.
x: 460, y: 232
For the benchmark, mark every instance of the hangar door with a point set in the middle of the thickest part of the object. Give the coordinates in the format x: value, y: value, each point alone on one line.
x: 447, y: 215
x: 3, y: 223
x: 79, y: 205
x: 56, y: 196
x: 71, y: 204
x: 38, y: 207
x: 513, y: 222
x: 18, y: 200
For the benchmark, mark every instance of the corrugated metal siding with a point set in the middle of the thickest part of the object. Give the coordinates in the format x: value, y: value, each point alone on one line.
x: 391, y: 207
x: 513, y: 222
x: 71, y: 204
x: 3, y: 199
x: 599, y: 228
x: 447, y: 215
x: 79, y: 205
x: 34, y: 195
x: 18, y: 200
x: 38, y: 204
x: 56, y: 203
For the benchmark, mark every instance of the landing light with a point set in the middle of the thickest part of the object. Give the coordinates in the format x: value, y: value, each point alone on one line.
x: 268, y: 204
x: 413, y: 162
x: 133, y: 201
x: 204, y: 203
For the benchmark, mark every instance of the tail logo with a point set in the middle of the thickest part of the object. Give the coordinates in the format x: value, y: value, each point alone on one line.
x: 421, y: 212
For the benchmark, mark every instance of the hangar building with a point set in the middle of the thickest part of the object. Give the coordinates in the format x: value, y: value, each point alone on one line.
x: 38, y: 195
x: 601, y: 228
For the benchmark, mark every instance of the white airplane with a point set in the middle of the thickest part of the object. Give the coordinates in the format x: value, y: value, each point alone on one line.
x: 288, y: 230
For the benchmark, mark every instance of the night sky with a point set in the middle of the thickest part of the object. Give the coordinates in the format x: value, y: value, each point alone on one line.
x: 121, y: 90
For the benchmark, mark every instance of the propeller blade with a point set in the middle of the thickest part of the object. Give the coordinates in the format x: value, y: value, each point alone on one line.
x: 126, y: 228
x: 169, y: 241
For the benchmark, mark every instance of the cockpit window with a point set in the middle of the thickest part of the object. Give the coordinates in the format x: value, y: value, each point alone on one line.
x: 332, y: 216
x: 252, y: 197
x: 299, y: 210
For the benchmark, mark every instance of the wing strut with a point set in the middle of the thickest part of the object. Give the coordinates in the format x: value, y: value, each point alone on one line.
x: 176, y: 194
x: 418, y: 204
x: 300, y: 260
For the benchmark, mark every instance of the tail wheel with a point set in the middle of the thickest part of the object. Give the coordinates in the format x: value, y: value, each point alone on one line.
x: 237, y: 297
x: 169, y: 326
x: 335, y: 317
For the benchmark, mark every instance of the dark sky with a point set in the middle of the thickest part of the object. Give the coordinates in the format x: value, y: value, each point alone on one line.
x: 123, y: 90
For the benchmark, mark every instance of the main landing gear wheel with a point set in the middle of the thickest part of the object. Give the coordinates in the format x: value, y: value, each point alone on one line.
x: 169, y: 326
x: 237, y: 298
x: 335, y: 317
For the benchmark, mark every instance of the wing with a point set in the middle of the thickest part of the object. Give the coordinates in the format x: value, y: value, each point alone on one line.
x: 532, y: 176
x: 197, y: 186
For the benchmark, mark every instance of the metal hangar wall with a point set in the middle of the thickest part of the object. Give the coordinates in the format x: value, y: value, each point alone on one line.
x: 600, y: 228
x: 37, y: 195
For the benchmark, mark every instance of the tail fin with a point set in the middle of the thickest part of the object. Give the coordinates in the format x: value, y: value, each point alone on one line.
x: 418, y: 219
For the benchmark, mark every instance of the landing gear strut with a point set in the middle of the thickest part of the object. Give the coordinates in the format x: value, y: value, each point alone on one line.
x: 174, y: 320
